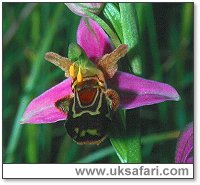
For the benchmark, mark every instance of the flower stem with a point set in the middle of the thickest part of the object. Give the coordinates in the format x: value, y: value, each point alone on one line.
x: 131, y: 38
x: 131, y: 35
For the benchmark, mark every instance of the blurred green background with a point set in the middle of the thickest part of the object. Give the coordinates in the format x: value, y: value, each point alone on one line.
x: 32, y: 29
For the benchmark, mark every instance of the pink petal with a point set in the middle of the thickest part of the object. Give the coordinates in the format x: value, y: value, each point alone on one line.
x: 81, y: 8
x: 135, y: 91
x: 92, y: 38
x: 42, y: 109
x: 185, y: 146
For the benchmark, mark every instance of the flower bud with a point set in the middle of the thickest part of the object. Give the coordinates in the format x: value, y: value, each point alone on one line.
x: 81, y: 8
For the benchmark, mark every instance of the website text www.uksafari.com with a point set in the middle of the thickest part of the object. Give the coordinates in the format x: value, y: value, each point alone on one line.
x: 140, y: 171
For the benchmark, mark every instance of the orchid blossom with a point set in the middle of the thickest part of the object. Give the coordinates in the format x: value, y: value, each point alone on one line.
x: 185, y: 146
x: 94, y: 56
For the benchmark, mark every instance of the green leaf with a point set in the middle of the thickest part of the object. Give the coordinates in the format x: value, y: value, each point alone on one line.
x: 32, y: 143
x: 127, y: 149
x: 111, y: 12
x: 131, y: 35
x: 125, y: 138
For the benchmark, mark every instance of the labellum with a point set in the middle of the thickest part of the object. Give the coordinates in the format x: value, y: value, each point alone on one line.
x: 91, y: 107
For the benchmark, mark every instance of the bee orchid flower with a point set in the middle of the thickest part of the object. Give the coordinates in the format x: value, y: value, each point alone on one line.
x: 94, y: 87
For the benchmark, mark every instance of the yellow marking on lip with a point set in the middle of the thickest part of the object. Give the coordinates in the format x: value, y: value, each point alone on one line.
x: 83, y: 132
x: 92, y: 132
x: 76, y: 130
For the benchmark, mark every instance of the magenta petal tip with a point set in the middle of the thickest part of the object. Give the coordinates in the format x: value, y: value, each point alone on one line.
x: 43, y: 110
x: 135, y: 91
